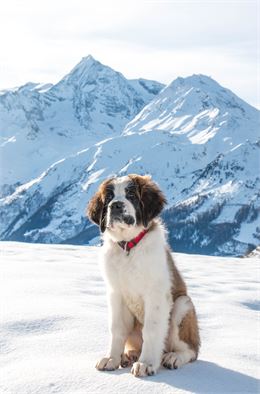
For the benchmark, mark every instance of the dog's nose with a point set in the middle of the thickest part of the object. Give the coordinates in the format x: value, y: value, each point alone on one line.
x: 117, y: 206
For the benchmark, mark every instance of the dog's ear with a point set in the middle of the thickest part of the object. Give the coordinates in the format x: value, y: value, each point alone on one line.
x: 97, y: 207
x: 95, y: 211
x: 151, y: 197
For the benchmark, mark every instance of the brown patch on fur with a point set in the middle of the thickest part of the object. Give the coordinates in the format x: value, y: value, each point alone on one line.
x: 188, y: 328
x: 189, y: 331
x: 134, y: 342
x: 178, y: 285
x: 96, y: 208
x: 150, y: 196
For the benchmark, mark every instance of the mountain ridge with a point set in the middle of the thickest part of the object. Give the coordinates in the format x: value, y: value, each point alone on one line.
x: 201, y: 146
x: 65, y: 116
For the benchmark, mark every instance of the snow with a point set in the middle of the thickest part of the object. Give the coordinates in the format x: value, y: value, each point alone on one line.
x: 54, y: 324
x: 255, y: 253
x: 198, y: 140
x: 91, y: 103
x: 201, y: 109
x: 247, y: 232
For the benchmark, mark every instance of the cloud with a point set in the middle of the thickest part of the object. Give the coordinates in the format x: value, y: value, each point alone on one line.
x: 42, y: 40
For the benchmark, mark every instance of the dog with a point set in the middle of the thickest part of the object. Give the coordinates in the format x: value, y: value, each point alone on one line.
x: 153, y: 321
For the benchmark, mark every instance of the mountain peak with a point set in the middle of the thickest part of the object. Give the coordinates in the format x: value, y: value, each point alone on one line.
x: 198, y: 88
x: 195, y: 81
x: 87, y: 68
x: 87, y: 61
x: 200, y: 109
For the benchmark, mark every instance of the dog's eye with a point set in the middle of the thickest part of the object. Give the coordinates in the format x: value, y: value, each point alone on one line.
x: 130, y: 194
x: 109, y: 195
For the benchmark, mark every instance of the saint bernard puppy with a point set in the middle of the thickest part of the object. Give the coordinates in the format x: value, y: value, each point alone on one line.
x: 152, y: 319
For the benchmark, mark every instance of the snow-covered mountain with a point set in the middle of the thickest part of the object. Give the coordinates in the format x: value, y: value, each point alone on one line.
x: 41, y: 124
x: 197, y: 139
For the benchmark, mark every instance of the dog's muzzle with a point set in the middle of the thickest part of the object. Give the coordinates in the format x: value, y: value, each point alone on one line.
x: 118, y: 214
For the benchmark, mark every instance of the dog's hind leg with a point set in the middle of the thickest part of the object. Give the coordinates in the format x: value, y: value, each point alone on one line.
x: 183, y: 341
x: 133, y: 346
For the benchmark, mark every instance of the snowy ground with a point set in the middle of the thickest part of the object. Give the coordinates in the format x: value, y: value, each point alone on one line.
x: 53, y: 325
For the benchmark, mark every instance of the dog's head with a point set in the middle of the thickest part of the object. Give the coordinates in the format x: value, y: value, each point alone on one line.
x: 124, y: 202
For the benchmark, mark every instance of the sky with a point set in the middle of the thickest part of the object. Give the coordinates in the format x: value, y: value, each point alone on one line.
x: 41, y: 41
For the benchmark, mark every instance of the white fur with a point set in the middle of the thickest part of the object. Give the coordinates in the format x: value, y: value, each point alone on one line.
x: 138, y: 285
x: 180, y: 309
x: 119, y: 195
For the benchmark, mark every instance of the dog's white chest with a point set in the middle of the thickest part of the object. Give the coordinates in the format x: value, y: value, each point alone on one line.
x: 140, y: 277
x: 131, y: 277
x: 136, y: 305
x: 126, y: 274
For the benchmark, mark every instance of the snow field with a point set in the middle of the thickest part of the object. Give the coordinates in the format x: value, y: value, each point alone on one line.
x: 53, y: 324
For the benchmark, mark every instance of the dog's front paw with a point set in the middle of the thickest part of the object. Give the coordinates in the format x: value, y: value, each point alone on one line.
x: 129, y: 358
x: 142, y: 369
x: 107, y: 364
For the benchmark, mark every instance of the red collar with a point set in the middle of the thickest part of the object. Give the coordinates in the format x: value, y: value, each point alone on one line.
x: 127, y: 246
